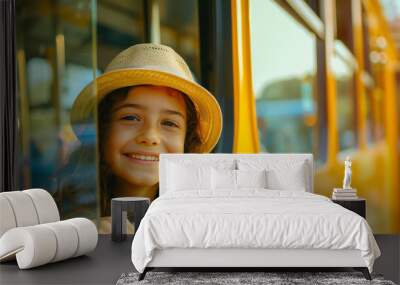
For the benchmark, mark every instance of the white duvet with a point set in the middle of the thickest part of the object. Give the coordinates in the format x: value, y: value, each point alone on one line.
x: 252, y: 218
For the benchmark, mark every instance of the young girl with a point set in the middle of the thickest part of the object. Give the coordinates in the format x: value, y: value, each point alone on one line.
x: 138, y: 123
x: 148, y: 103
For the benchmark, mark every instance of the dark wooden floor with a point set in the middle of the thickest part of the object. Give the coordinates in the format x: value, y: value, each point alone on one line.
x: 103, y: 266
x: 110, y: 260
x: 389, y: 262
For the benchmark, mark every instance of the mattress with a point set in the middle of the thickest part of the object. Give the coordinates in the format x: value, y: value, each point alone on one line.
x: 250, y: 219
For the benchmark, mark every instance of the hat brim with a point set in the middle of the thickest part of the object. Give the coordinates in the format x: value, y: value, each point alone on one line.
x: 209, y: 112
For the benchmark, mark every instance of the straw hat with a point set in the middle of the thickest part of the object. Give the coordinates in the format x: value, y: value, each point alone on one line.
x: 150, y: 64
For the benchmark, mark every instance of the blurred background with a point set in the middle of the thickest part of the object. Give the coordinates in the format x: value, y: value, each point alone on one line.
x: 315, y: 76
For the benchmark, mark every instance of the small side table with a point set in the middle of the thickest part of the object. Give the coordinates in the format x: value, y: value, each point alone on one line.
x: 120, y: 207
x: 356, y: 205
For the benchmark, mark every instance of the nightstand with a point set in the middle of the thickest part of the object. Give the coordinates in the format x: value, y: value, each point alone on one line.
x: 356, y: 205
x: 120, y: 207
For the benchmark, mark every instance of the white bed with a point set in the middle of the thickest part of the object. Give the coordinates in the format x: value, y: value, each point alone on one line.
x: 207, y: 222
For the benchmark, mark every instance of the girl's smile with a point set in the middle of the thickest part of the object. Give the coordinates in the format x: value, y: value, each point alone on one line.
x: 142, y: 157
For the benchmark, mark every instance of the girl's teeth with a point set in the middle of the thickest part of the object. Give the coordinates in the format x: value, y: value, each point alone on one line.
x: 144, y: 157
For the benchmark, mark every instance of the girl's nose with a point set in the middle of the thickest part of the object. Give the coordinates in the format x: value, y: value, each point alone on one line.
x: 149, y: 136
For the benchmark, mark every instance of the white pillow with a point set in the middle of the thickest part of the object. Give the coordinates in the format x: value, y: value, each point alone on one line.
x: 181, y: 177
x: 282, y: 174
x: 251, y: 178
x: 223, y: 179
x: 294, y: 180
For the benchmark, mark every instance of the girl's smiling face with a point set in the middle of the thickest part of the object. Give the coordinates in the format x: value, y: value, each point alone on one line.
x: 149, y: 121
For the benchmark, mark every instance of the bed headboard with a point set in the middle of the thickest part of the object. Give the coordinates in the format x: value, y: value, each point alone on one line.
x: 215, y: 158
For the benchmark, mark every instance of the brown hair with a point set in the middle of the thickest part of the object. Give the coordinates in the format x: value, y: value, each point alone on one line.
x: 107, y: 179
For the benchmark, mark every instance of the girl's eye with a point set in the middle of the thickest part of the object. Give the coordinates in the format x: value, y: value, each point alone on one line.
x: 131, y: 118
x: 170, y: 124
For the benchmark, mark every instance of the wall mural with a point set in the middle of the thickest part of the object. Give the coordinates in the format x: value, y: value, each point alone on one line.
x: 97, y: 107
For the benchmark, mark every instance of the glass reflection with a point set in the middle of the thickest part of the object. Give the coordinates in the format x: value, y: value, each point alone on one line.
x: 54, y: 42
x: 283, y: 79
x: 344, y: 75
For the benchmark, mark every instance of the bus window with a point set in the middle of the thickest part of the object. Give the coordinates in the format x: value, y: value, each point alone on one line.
x: 178, y: 28
x: 343, y: 68
x: 171, y: 22
x: 120, y: 24
x: 284, y: 63
x: 55, y: 42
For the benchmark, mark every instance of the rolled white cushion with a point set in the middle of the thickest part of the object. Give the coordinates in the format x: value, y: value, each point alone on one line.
x: 23, y: 208
x: 87, y: 235
x: 66, y: 238
x: 7, y: 218
x: 46, y: 208
x: 33, y: 246
x: 41, y: 244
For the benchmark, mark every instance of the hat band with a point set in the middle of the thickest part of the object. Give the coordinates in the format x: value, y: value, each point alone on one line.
x: 166, y: 69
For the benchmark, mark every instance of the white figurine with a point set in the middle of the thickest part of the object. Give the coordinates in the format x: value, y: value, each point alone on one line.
x: 347, y: 173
